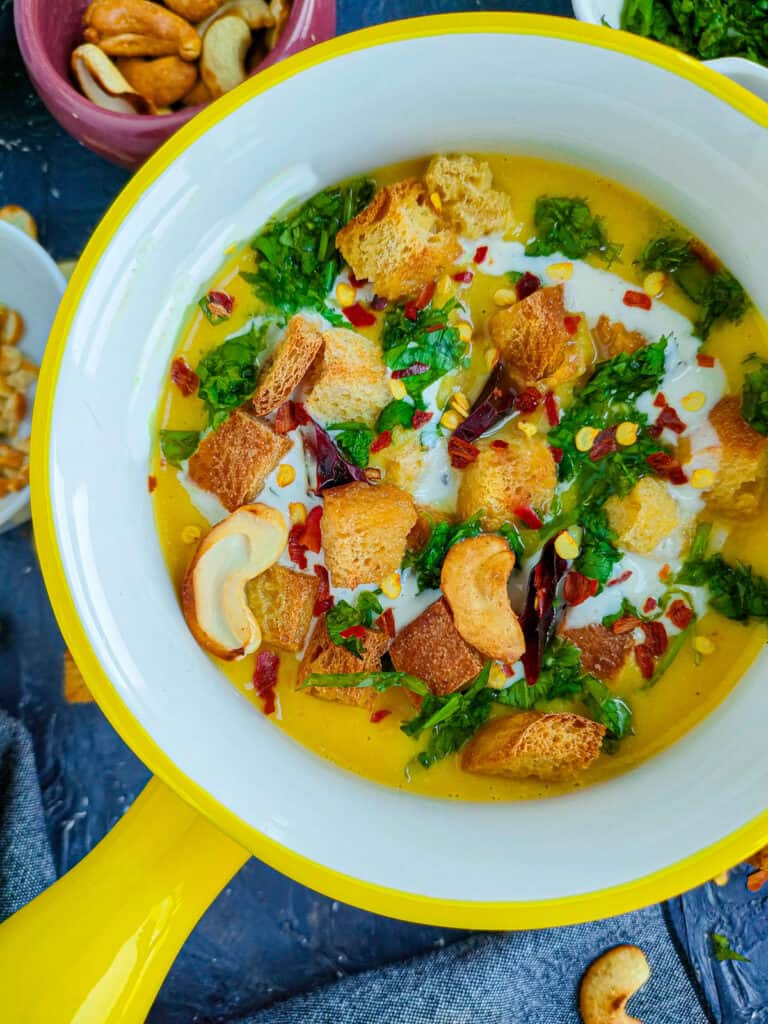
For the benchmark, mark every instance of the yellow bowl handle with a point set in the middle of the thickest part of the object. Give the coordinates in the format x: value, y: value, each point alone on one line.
x: 96, y: 946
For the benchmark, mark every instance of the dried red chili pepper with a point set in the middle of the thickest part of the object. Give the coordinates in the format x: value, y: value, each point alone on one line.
x: 540, y: 616
x: 461, y: 453
x: 324, y: 600
x: 578, y: 588
x: 265, y: 679
x: 184, y: 377
x: 493, y: 403
x: 645, y: 661
x: 285, y: 418
x: 680, y: 614
x: 529, y: 517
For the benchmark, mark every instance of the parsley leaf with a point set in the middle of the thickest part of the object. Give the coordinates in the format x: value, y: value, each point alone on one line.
x: 598, y: 553
x: 229, y: 372
x: 442, y: 536
x: 398, y: 413
x: 428, y: 342
x: 754, y: 400
x: 567, y: 225
x: 178, y: 445
x: 354, y: 439
x: 723, y: 950
x: 734, y: 590
x: 297, y: 256
x: 344, y: 616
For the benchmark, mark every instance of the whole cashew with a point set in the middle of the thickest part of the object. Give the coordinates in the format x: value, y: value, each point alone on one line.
x: 197, y: 95
x: 225, y: 45
x: 194, y: 10
x: 255, y: 13
x: 101, y: 81
x: 139, y: 28
x: 609, y: 983
x: 163, y: 81
x: 280, y: 10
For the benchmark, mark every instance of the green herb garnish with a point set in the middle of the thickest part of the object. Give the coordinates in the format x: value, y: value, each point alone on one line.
x: 567, y: 225
x: 229, y: 372
x: 754, y: 398
x: 428, y: 342
x: 178, y: 445
x: 512, y: 536
x: 723, y: 950
x: 344, y: 616
x: 442, y: 536
x: 598, y: 552
x: 734, y: 590
x: 398, y: 413
x: 354, y: 439
x: 668, y: 253
x: 297, y: 258
x: 378, y: 681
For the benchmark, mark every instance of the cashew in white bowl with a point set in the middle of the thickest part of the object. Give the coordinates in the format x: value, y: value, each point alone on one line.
x: 225, y: 46
x: 610, y: 982
x: 239, y: 548
x: 100, y: 80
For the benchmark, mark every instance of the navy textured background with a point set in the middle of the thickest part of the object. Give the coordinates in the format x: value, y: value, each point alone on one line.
x: 265, y: 936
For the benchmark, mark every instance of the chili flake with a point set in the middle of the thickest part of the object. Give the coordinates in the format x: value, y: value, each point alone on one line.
x: 638, y: 299
x: 359, y: 316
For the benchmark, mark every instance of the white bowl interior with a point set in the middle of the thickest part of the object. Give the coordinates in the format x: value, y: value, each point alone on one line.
x: 653, y: 131
x: 31, y: 283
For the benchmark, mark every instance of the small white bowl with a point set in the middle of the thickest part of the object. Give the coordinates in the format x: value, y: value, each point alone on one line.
x: 751, y: 75
x: 31, y: 283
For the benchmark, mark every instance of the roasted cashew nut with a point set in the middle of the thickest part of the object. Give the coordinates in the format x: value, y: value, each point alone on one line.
x: 213, y: 595
x: 225, y: 46
x: 194, y: 10
x: 163, y: 81
x: 255, y: 13
x: 139, y: 28
x: 474, y: 580
x: 280, y: 10
x: 103, y: 84
x: 609, y: 983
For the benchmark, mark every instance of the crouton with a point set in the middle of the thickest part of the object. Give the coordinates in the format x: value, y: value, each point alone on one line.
x: 365, y: 531
x: 282, y: 601
x: 531, y: 335
x: 324, y: 656
x: 531, y: 744
x: 402, y: 461
x: 578, y: 355
x: 468, y: 201
x: 613, y: 337
x: 645, y: 517
x: 348, y: 379
x: 432, y: 648
x: 603, y: 653
x: 398, y: 242
x: 233, y: 461
x: 287, y: 366
x: 740, y: 478
x: 501, y: 480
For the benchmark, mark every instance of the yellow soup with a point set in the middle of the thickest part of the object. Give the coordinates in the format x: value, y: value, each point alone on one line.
x: 715, y: 650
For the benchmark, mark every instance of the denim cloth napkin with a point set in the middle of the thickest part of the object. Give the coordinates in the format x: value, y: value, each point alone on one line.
x: 518, y: 978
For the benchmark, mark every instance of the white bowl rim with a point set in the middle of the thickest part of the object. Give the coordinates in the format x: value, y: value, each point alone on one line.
x: 642, y: 891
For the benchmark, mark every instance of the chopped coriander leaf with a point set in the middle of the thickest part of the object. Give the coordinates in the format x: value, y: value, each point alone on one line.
x: 178, y: 445
x: 667, y: 253
x: 297, y: 259
x: 734, y: 590
x: 379, y: 681
x: 723, y: 950
x: 567, y: 225
x: 511, y: 535
x: 598, y: 553
x: 398, y: 413
x: 228, y: 373
x: 721, y: 298
x: 344, y: 616
x: 354, y: 439
x: 428, y: 341
x: 612, y: 712
x: 676, y: 644
x: 754, y: 400
x: 452, y: 720
x: 442, y: 536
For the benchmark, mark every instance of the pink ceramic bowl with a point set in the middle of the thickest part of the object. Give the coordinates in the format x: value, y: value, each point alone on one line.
x: 48, y: 31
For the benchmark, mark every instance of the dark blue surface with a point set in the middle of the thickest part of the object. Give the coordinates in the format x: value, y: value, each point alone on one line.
x: 265, y: 936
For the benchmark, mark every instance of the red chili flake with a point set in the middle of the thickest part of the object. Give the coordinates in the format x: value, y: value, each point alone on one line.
x: 669, y: 420
x: 650, y: 604
x: 656, y: 639
x: 311, y: 538
x: 625, y: 625
x: 644, y: 660
x: 578, y: 588
x: 425, y: 295
x: 265, y: 679
x: 184, y: 377
x: 410, y: 312
x: 219, y: 306
x: 296, y: 551
x: 357, y: 282
x: 571, y: 324
x: 605, y: 444
x: 639, y: 299
x: 557, y: 453
x: 410, y: 371
x: 464, y: 277
x: 499, y: 444
x: 378, y: 302
x: 679, y: 614
x: 386, y: 623
x: 151, y: 483
x: 668, y: 467
x: 660, y: 400
x: 550, y: 407
x: 704, y: 360
x: 420, y: 417
x: 324, y: 600
x: 285, y: 418
x: 462, y: 453
x: 384, y: 440
x: 757, y: 880
x: 301, y: 414
x: 529, y: 517
x: 664, y: 572
x: 356, y: 631
x: 704, y: 255
x: 433, y: 328
x: 528, y: 400
x: 619, y: 579
x: 480, y: 253
x: 526, y: 285
x: 359, y: 316
x: 377, y: 716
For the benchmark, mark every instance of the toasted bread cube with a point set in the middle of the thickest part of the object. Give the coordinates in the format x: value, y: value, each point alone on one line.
x: 347, y: 380
x: 324, y: 656
x: 402, y: 461
x: 468, y: 201
x: 282, y: 601
x: 233, y: 461
x: 287, y: 366
x: 398, y: 241
x: 741, y: 473
x: 501, y: 480
x: 534, y: 745
x: 365, y: 531
x: 531, y: 335
x: 578, y: 355
x: 613, y: 338
x: 645, y: 517
x: 432, y: 648
x: 603, y: 653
